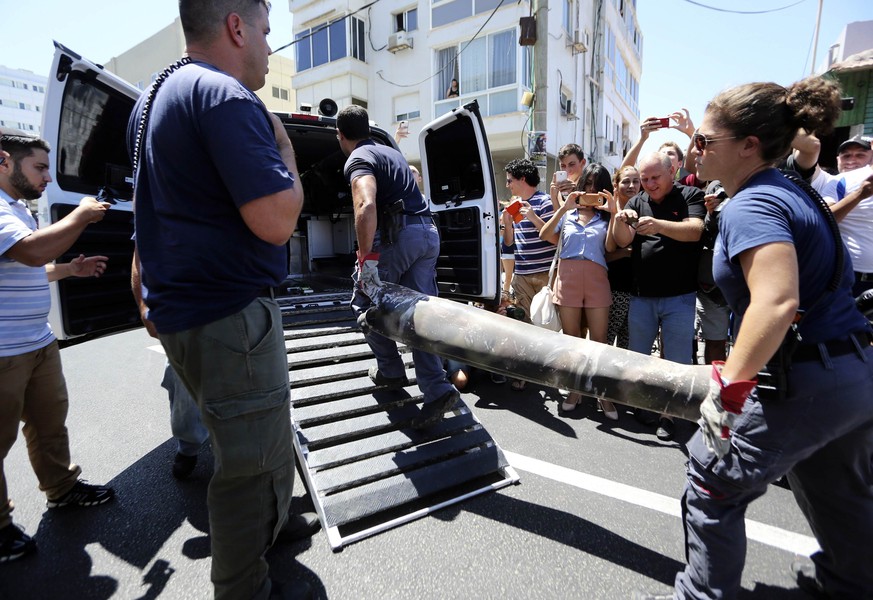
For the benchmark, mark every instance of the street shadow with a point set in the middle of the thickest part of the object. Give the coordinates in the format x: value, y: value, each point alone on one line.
x: 530, y: 403
x: 572, y: 531
x: 149, y: 508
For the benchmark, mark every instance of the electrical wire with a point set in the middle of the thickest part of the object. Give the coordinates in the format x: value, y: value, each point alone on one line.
x: 470, y: 41
x: 744, y: 12
x: 324, y: 26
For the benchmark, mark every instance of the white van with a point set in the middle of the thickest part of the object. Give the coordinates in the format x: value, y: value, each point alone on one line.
x: 85, y: 121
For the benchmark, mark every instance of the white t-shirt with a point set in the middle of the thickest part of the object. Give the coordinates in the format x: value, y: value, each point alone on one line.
x: 857, y: 225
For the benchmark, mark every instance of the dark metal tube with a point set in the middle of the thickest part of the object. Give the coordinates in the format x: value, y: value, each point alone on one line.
x: 497, y: 343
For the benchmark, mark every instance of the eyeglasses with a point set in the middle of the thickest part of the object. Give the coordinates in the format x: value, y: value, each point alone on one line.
x: 700, y: 141
x: 2, y: 160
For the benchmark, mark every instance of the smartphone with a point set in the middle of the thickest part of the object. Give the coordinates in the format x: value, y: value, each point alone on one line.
x: 404, y: 126
x: 514, y: 208
x: 560, y: 176
x: 665, y: 122
x: 589, y: 199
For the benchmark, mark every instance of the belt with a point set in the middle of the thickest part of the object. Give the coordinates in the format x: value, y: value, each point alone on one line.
x: 267, y: 292
x: 805, y: 352
x: 423, y: 219
x: 863, y: 276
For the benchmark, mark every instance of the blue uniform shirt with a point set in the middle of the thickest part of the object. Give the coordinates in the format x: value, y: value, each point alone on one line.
x: 209, y: 149
x: 772, y: 209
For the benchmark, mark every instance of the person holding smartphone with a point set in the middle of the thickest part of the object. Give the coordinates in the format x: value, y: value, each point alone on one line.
x: 582, y: 223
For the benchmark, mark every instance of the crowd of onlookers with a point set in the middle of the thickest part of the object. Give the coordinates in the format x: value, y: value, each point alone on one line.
x: 634, y: 248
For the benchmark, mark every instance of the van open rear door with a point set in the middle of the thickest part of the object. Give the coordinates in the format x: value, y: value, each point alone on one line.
x: 85, y: 121
x: 459, y: 181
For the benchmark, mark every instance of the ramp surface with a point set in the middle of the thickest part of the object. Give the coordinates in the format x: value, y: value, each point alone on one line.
x: 365, y: 468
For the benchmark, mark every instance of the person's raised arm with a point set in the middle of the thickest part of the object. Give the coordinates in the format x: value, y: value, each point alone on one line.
x: 646, y: 127
x: 806, y: 151
x: 47, y: 243
x: 844, y: 206
x: 548, y: 231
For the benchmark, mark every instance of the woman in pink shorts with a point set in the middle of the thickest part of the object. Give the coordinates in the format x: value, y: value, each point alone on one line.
x: 582, y: 287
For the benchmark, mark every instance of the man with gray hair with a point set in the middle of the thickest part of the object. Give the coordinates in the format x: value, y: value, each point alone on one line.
x: 663, y: 225
x: 217, y: 199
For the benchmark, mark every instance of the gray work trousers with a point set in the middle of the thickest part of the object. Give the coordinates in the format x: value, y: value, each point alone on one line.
x: 236, y: 369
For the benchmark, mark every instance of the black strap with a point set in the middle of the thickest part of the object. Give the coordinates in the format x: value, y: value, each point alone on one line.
x: 147, y: 106
x: 825, y: 210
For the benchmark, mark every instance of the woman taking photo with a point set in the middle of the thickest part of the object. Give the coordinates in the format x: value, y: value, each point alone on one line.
x: 777, y: 261
x: 582, y: 284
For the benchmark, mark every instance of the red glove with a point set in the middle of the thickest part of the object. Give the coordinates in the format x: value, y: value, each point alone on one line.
x: 720, y: 408
x: 368, y: 273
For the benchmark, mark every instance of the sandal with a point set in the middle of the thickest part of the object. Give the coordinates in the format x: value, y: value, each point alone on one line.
x: 518, y: 385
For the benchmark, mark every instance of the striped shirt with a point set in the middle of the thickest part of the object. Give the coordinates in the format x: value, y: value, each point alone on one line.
x: 24, y: 291
x: 533, y: 255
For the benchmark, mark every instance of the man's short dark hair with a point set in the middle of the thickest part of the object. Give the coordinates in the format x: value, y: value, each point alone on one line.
x: 203, y: 19
x: 679, y: 154
x: 521, y: 168
x: 22, y: 146
x: 568, y: 149
x: 353, y: 122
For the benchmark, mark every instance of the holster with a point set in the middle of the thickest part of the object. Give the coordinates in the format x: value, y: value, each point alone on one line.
x: 773, y: 378
x: 390, y: 222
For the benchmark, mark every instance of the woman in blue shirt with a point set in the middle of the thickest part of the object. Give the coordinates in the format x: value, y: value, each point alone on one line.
x: 581, y: 290
x: 777, y: 262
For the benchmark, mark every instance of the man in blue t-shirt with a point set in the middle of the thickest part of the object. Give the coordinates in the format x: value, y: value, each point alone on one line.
x: 397, y: 243
x: 217, y: 198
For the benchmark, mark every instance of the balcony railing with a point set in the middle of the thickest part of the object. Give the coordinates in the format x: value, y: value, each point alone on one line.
x: 492, y: 102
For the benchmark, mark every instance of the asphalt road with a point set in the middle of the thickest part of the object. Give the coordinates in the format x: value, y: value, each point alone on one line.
x: 596, y: 514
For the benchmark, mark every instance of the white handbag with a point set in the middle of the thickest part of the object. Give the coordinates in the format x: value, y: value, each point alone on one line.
x: 543, y: 312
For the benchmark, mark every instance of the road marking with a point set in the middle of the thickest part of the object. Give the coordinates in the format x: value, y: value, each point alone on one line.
x: 760, y: 532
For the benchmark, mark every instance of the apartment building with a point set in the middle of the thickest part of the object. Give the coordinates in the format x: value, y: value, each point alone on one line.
x: 142, y: 64
x: 397, y: 58
x: 21, y: 98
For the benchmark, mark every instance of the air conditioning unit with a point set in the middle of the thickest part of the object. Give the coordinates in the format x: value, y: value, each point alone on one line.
x: 399, y: 41
x: 579, y: 42
x: 569, y: 108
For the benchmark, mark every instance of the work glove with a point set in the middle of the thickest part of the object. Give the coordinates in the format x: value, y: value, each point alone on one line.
x: 720, y: 408
x: 368, y: 273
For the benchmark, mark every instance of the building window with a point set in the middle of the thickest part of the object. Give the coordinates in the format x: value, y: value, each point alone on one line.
x: 280, y: 93
x: 359, y: 102
x: 486, y: 68
x: 567, y: 16
x: 357, y: 37
x: 406, y: 20
x: 329, y: 42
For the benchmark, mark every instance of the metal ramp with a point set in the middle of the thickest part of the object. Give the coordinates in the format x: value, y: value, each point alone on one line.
x: 365, y: 469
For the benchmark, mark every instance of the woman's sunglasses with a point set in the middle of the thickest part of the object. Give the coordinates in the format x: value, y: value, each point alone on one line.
x: 700, y: 141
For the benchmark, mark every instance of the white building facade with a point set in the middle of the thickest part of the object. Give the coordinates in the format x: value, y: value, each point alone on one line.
x: 397, y: 59
x: 21, y: 98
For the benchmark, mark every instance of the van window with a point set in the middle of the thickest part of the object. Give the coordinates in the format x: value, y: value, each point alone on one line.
x: 92, y: 140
